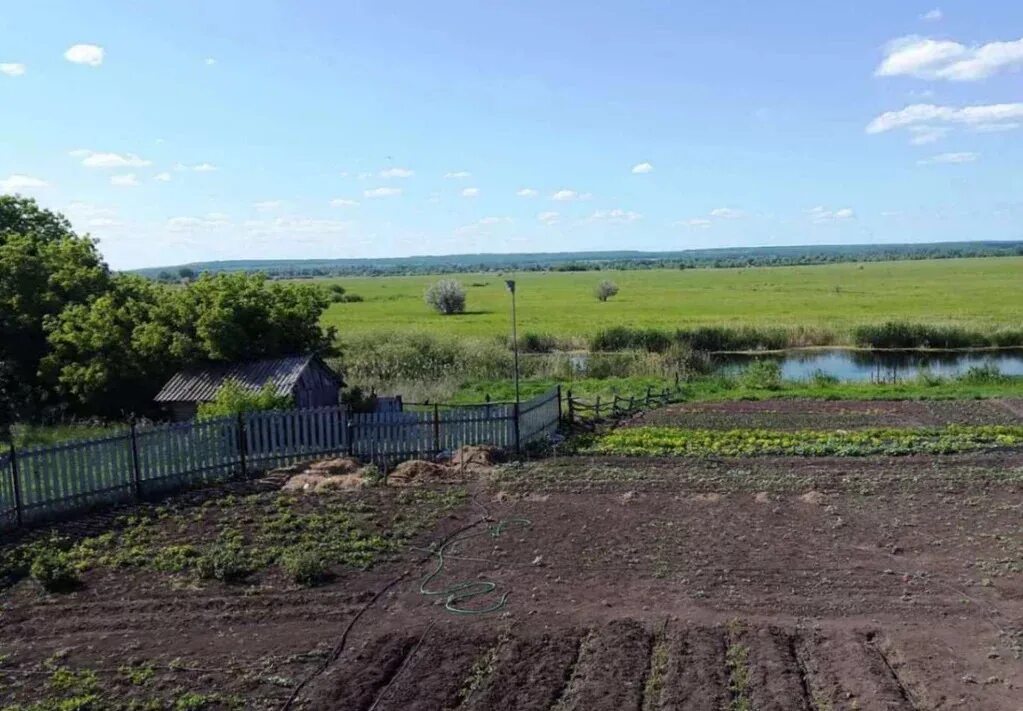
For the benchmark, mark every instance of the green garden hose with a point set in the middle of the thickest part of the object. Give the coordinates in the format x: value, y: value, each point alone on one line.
x: 468, y: 590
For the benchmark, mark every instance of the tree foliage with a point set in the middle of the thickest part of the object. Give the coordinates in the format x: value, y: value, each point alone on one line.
x: 605, y: 290
x: 75, y: 337
x: 447, y: 297
x: 233, y: 398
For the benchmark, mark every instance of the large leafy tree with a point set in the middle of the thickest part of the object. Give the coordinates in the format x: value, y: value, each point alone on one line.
x: 44, y: 268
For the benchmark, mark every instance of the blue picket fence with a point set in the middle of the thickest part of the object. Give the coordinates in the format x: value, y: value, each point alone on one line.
x: 38, y: 484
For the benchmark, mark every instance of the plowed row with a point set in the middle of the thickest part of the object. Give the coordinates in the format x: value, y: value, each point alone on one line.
x: 619, y: 665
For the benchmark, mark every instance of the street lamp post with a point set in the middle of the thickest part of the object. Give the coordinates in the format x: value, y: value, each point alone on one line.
x: 515, y: 338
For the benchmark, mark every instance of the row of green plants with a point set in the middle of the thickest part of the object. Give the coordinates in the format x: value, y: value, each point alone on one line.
x: 672, y: 441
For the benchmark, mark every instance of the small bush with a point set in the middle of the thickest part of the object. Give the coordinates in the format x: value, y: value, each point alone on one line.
x: 54, y: 571
x: 983, y: 375
x: 537, y: 343
x: 762, y: 375
x: 446, y: 297
x: 605, y: 290
x: 305, y: 567
x: 224, y: 561
x: 621, y: 338
x: 233, y: 398
x: 927, y: 377
x: 820, y: 379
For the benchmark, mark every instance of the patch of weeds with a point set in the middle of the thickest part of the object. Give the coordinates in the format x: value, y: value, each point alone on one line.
x: 138, y: 674
x: 82, y: 682
x: 655, y: 676
x: 305, y: 566
x: 193, y: 701
x: 737, y: 661
x: 54, y: 571
x: 480, y: 672
x: 225, y: 561
x: 175, y: 558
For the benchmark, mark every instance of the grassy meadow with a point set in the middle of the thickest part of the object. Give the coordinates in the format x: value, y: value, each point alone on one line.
x: 983, y: 294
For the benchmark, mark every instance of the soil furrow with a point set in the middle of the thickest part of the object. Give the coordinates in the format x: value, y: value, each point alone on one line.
x: 775, y: 683
x: 355, y: 681
x: 695, y: 677
x: 904, y: 692
x: 611, y: 669
x: 845, y: 673
x: 528, y: 673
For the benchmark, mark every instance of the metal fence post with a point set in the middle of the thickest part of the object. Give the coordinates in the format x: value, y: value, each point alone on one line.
x: 560, y: 413
x: 517, y: 442
x: 571, y: 408
x: 243, y: 445
x: 436, y: 428
x: 136, y: 488
x: 596, y: 409
x: 16, y: 485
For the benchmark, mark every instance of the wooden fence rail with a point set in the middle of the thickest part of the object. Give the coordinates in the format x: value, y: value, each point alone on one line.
x: 39, y: 484
x: 586, y: 412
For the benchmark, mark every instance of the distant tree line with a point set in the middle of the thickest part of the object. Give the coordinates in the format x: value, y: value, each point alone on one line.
x: 78, y: 339
x: 594, y: 261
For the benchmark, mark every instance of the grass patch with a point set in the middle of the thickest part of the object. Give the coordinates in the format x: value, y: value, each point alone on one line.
x: 661, y: 441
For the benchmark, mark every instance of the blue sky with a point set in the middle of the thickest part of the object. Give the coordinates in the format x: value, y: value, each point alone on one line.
x: 182, y: 131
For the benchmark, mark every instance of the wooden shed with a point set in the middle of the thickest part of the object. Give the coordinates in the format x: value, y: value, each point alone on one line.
x: 307, y: 379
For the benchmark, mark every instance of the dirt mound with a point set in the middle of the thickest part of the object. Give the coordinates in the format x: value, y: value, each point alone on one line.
x: 319, y: 478
x: 419, y: 471
x: 340, y: 465
x: 481, y: 456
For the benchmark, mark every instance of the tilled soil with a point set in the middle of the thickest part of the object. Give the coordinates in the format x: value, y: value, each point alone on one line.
x: 784, y: 583
x: 832, y: 414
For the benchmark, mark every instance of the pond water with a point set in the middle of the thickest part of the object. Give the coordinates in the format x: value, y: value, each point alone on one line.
x: 878, y: 365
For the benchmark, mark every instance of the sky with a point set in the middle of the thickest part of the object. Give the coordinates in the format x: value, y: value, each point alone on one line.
x: 185, y: 131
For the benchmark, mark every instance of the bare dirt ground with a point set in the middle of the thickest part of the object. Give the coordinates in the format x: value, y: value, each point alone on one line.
x: 834, y: 414
x: 774, y: 583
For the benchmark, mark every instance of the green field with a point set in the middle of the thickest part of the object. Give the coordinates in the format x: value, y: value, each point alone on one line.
x: 982, y: 294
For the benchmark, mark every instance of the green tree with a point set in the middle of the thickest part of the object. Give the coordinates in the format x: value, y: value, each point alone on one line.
x: 233, y: 398
x: 44, y: 268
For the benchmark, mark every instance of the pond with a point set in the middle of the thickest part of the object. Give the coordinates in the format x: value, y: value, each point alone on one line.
x: 877, y: 365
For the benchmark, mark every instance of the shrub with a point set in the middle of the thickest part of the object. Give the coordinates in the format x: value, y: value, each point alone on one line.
x: 982, y: 375
x: 605, y: 290
x: 446, y: 297
x: 224, y: 561
x: 762, y: 375
x: 620, y: 338
x: 233, y: 398
x: 537, y: 343
x: 54, y: 571
x: 305, y: 567
x: 820, y: 379
x: 899, y: 334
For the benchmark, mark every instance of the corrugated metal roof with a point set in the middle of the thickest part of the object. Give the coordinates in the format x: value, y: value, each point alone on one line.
x: 200, y: 384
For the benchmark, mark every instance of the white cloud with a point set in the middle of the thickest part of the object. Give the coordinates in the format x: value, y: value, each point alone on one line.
x: 89, y: 54
x: 13, y: 183
x: 922, y: 135
x: 397, y: 173
x: 933, y: 15
x: 162, y: 177
x: 471, y: 192
x: 12, y: 69
x: 821, y: 214
x: 382, y: 192
x: 204, y: 168
x: 995, y: 127
x: 616, y: 215
x: 213, y: 220
x: 569, y: 195
x: 124, y: 181
x: 926, y: 58
x: 481, y: 224
x: 267, y: 205
x: 343, y: 202
x: 103, y: 222
x: 548, y: 217
x: 984, y: 114
x: 963, y: 157
x: 458, y: 175
x: 295, y: 225
x: 92, y: 159
x: 527, y: 193
x: 727, y: 213
x: 699, y: 222
x: 210, y: 61
x: 641, y: 168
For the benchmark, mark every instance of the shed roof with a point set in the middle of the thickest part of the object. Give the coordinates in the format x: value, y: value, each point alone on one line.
x: 200, y: 383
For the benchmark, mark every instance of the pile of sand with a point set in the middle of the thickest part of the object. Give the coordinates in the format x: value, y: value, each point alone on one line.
x: 334, y: 467
x: 420, y: 471
x: 307, y: 483
x: 476, y: 457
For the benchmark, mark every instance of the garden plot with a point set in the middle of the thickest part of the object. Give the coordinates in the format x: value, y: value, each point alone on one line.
x: 832, y: 414
x: 641, y: 583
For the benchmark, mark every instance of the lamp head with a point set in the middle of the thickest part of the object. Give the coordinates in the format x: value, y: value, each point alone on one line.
x: 511, y: 285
